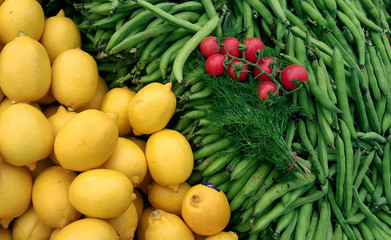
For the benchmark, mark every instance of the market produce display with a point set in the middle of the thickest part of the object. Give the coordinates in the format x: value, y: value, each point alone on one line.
x: 211, y: 119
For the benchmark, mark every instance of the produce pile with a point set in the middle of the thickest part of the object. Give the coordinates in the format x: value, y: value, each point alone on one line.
x: 243, y: 119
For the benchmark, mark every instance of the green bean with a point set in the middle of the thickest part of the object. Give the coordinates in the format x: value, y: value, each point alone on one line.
x: 324, y: 217
x: 236, y: 188
x: 340, y: 82
x: 313, y: 13
x: 248, y: 20
x: 295, y: 20
x: 165, y: 57
x: 242, y: 167
x: 386, y: 172
x: 191, y: 45
x: 257, y: 179
x: 386, y: 123
x: 338, y: 234
x: 370, y: 8
x: 325, y: 128
x: 359, y: 101
x: 366, y: 231
x: 371, y: 77
x: 262, y: 10
x: 362, y: 18
x: 367, y: 162
x: 303, y: 221
x: 278, y: 190
x: 385, y: 217
x: 356, y: 219
x: 341, y: 171
x: 311, y: 131
x: 168, y: 17
x: 338, y: 214
x: 382, y: 79
x: 218, y: 163
x: 287, y: 234
x: 313, y: 225
x: 211, y: 148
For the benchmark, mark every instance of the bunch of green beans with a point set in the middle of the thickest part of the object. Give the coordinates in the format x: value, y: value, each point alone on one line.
x: 138, y: 42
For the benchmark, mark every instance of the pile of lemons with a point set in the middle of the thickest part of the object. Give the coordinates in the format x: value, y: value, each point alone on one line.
x: 72, y: 162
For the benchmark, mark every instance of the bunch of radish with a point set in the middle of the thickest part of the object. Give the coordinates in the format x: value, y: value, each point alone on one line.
x: 240, y: 59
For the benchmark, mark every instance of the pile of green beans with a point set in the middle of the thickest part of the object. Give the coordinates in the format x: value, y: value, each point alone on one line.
x: 344, y: 129
x: 143, y: 41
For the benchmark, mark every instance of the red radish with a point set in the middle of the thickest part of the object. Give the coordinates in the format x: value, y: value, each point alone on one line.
x: 294, y: 72
x: 243, y: 70
x: 264, y: 64
x: 209, y: 46
x: 232, y: 45
x: 214, y: 64
x: 264, y: 88
x: 253, y: 45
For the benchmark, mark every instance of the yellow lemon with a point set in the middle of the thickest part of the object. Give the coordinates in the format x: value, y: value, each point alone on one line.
x: 54, y: 233
x: 126, y: 223
x: 5, y: 234
x: 25, y: 71
x: 41, y: 166
x: 60, y: 118
x: 205, y: 209
x: 230, y: 235
x: 117, y: 101
x: 151, y: 108
x: 97, y: 99
x: 74, y: 78
x: 50, y: 110
x: 59, y: 34
x: 1, y: 91
x: 28, y: 226
x: 87, y: 228
x: 25, y: 135
x: 27, y: 16
x: 129, y: 159
x: 143, y: 222
x: 15, y: 190
x: 101, y: 193
x: 169, y: 157
x: 47, y: 99
x: 8, y: 102
x: 140, y: 142
x: 166, y: 199
x: 144, y: 183
x: 138, y: 203
x: 50, y: 197
x: 163, y: 225
x: 86, y: 141
x: 57, y: 121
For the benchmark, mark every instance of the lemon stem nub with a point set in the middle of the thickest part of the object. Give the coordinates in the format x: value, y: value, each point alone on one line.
x: 21, y: 33
x: 155, y: 214
x: 196, y: 198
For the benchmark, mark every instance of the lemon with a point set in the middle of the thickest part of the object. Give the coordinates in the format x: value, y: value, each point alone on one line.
x: 5, y: 234
x: 25, y: 71
x: 59, y: 34
x: 101, y: 193
x: 144, y: 183
x: 87, y: 228
x: 57, y: 121
x: 199, y: 237
x: 41, y: 166
x: 15, y: 191
x: 169, y: 157
x: 230, y: 235
x: 86, y: 141
x: 129, y: 159
x: 97, y: 99
x: 166, y: 199
x: 25, y: 135
x: 163, y: 225
x: 126, y: 223
x: 140, y: 142
x: 54, y: 233
x: 205, y: 209
x: 47, y: 99
x: 143, y: 223
x: 117, y: 101
x: 28, y: 226
x: 138, y: 203
x: 8, y: 102
x: 151, y: 108
x: 50, y: 197
x: 26, y: 16
x: 1, y: 91
x: 60, y: 118
x: 74, y: 78
x: 50, y: 110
